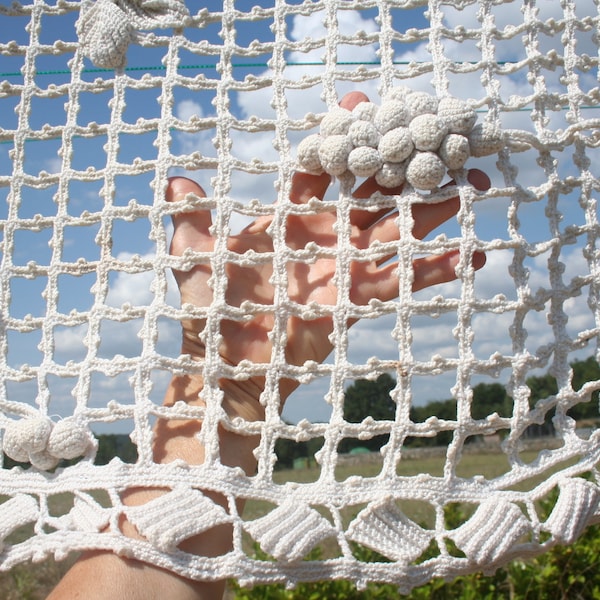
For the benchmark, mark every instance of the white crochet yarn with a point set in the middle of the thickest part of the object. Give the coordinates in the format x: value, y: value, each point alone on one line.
x: 107, y: 33
x: 87, y: 515
x: 425, y: 170
x: 455, y: 151
x: 364, y: 161
x: 492, y: 532
x: 26, y: 437
x: 16, y: 512
x: 173, y: 517
x: 427, y: 131
x: 485, y: 139
x: 391, y: 174
x: 43, y: 460
x: 398, y: 92
x: 251, y: 104
x: 308, y: 153
x: 365, y: 111
x: 107, y: 27
x: 577, y: 503
x: 336, y: 122
x: 290, y: 531
x: 364, y: 133
x: 457, y: 114
x: 420, y: 103
x: 390, y: 115
x: 69, y: 439
x: 334, y: 152
x: 396, y: 145
x: 42, y: 443
x: 383, y: 527
x: 412, y: 136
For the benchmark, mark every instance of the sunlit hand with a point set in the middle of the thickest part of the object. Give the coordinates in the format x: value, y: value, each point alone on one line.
x: 306, y: 340
x: 307, y: 282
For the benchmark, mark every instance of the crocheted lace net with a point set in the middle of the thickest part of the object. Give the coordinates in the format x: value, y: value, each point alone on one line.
x: 101, y: 102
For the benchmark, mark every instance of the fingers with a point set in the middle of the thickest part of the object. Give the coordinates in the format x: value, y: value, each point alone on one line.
x: 382, y: 282
x: 429, y: 216
x: 350, y: 100
x: 433, y: 270
x: 364, y: 218
x: 426, y: 216
x: 305, y: 186
x: 479, y: 180
x: 190, y: 226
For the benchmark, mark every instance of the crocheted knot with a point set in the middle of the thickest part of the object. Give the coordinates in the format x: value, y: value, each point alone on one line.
x: 411, y: 137
x: 107, y: 27
x: 43, y: 443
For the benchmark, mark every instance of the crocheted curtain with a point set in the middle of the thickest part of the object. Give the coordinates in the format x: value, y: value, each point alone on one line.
x: 101, y: 101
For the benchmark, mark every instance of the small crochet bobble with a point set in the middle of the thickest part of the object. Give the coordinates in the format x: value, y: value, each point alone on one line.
x: 412, y: 137
x: 43, y: 443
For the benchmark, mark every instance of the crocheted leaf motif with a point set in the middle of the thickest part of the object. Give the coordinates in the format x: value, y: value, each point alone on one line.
x: 16, y: 512
x: 491, y: 532
x: 576, y: 504
x: 173, y: 517
x: 290, y: 531
x: 88, y: 515
x: 107, y: 27
x: 385, y: 528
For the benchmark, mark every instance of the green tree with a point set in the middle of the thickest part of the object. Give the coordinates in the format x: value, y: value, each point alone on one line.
x: 370, y: 398
x: 489, y: 398
x: 111, y: 445
x: 366, y: 398
x: 442, y: 409
x: 288, y: 451
x: 541, y: 387
x: 545, y: 386
x: 584, y: 371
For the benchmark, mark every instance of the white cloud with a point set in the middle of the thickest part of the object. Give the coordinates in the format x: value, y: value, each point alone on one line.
x: 186, y: 109
x: 374, y: 338
x: 53, y: 165
x: 69, y: 343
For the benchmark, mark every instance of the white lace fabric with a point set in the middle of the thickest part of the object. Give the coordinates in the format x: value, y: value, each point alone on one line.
x: 546, y: 98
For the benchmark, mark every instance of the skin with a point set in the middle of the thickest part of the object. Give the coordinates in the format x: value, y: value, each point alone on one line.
x: 117, y: 577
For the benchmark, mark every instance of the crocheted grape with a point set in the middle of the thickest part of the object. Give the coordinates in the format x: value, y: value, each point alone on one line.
x: 364, y: 161
x: 364, y: 133
x: 42, y: 443
x: 26, y: 437
x: 69, y: 439
x: 411, y: 137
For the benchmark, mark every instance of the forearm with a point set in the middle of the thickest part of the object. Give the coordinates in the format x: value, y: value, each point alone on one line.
x: 117, y: 577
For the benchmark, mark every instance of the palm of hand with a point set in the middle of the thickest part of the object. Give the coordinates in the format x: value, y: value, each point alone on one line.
x: 307, y: 282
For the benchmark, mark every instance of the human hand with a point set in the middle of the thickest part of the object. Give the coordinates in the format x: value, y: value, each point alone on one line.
x: 307, y: 282
x: 249, y: 340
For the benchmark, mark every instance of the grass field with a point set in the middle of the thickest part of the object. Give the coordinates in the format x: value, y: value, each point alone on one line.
x: 34, y: 582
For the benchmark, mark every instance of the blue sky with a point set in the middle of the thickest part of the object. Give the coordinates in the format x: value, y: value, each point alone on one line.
x: 431, y: 336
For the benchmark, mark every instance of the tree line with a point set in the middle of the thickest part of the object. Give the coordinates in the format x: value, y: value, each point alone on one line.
x: 372, y: 398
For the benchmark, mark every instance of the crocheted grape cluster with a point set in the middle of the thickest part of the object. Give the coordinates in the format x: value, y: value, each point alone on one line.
x: 413, y: 137
x: 44, y: 443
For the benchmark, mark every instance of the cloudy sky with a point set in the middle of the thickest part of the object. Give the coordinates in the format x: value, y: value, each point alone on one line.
x: 431, y: 336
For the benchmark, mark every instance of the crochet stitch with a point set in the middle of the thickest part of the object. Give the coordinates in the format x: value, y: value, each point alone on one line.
x: 443, y: 133
x: 94, y: 119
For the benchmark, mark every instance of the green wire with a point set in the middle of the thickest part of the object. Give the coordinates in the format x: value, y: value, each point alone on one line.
x: 213, y: 66
x: 200, y: 67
